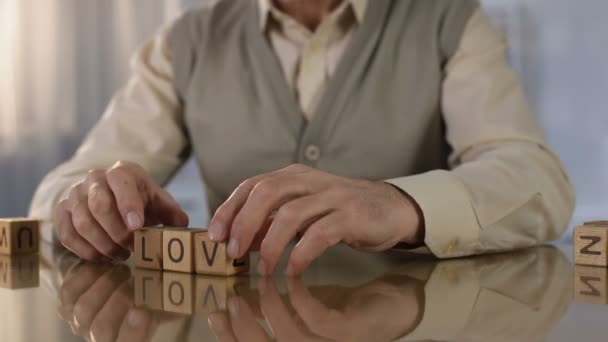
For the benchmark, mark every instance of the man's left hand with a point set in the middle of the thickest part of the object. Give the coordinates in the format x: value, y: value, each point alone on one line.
x: 321, y: 208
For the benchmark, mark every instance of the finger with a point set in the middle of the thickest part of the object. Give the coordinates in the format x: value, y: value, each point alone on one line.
x: 138, y: 325
x: 268, y: 195
x: 259, y: 237
x: 322, y: 234
x: 315, y: 315
x: 291, y: 218
x: 70, y: 239
x: 224, y: 216
x: 276, y: 314
x: 166, y: 210
x: 107, y: 323
x: 130, y: 191
x: 76, y: 283
x: 91, y: 302
x: 244, y: 324
x: 104, y: 209
x: 86, y: 225
x: 220, y: 325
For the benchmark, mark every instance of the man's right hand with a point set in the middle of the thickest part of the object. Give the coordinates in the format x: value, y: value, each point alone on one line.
x: 97, y: 219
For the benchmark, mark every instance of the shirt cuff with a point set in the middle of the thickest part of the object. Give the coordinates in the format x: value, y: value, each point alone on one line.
x: 451, y: 226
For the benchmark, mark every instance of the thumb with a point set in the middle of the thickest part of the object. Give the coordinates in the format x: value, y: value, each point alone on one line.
x: 166, y: 210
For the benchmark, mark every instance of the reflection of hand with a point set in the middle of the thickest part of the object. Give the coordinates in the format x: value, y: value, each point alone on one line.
x: 97, y: 302
x: 378, y: 311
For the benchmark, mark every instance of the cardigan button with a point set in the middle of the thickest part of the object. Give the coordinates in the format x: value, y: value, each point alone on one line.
x: 312, y: 153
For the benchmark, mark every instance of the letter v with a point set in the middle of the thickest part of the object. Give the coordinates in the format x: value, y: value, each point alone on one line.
x: 211, y: 259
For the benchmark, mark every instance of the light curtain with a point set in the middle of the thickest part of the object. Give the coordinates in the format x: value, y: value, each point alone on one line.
x: 60, y: 63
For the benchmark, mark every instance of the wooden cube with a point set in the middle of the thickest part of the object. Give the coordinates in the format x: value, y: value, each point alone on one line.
x: 178, y: 292
x: 19, y: 271
x: 149, y: 289
x: 211, y: 257
x: 591, y: 244
x: 148, y: 248
x: 19, y: 236
x: 213, y: 292
x: 178, y: 249
x: 591, y: 284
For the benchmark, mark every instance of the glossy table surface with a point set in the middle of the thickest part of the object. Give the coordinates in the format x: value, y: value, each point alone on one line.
x: 346, y: 296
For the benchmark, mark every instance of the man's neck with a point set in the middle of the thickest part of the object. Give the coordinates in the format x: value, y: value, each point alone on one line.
x: 309, y: 13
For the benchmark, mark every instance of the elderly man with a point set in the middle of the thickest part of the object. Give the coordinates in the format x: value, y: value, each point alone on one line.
x: 380, y: 124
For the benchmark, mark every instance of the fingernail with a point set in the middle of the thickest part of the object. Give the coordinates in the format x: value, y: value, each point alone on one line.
x: 135, y: 318
x: 233, y: 307
x: 262, y: 269
x: 215, y: 231
x: 290, y: 271
x: 133, y: 220
x: 233, y: 248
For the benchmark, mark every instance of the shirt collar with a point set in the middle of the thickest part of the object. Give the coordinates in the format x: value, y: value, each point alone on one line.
x: 359, y: 7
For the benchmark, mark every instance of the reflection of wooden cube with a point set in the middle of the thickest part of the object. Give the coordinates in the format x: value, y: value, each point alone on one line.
x: 149, y: 289
x: 211, y: 257
x: 212, y: 292
x: 178, y: 292
x: 18, y: 236
x: 178, y: 249
x: 19, y: 271
x: 591, y: 244
x: 148, y: 248
x: 590, y: 284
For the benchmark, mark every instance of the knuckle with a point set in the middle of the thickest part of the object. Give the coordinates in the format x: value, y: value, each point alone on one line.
x: 247, y: 185
x: 62, y: 205
x: 296, y: 167
x: 263, y: 190
x: 100, y: 201
x: 66, y: 237
x: 120, y: 168
x: 287, y: 213
x: 82, y: 221
x: 122, y: 164
x: 74, y: 192
x: 95, y: 174
x: 115, y: 171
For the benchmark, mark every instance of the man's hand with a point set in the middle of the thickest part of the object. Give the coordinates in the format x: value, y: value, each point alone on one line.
x: 98, y: 218
x: 321, y: 208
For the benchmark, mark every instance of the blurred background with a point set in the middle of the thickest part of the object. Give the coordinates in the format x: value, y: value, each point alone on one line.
x: 61, y: 61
